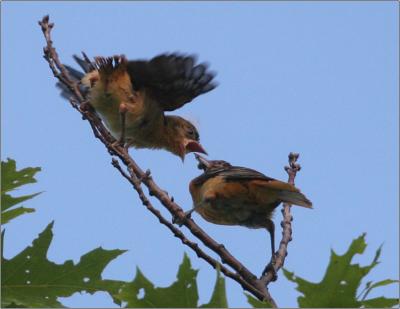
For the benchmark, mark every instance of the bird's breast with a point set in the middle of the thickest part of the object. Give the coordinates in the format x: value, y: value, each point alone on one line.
x: 109, y: 92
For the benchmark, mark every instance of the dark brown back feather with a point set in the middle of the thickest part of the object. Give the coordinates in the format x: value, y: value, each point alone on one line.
x: 231, y: 173
x: 235, y: 173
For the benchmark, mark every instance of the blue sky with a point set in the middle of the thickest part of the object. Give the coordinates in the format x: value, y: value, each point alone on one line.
x: 318, y: 78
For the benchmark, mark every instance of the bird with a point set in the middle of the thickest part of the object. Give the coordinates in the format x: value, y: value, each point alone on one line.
x: 131, y: 97
x: 234, y: 195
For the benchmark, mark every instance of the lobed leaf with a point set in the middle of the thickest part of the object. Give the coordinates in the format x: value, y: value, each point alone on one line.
x: 218, y: 297
x: 341, y: 281
x: 183, y: 293
x: 29, y: 279
x: 141, y: 292
x: 12, y: 179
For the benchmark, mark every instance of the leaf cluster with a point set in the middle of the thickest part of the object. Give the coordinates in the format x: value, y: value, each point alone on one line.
x: 29, y: 279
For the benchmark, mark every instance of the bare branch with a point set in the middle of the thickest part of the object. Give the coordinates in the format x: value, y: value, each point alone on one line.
x: 286, y: 224
x: 136, y: 176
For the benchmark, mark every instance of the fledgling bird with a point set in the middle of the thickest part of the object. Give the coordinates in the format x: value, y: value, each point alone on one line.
x: 233, y: 195
x: 132, y: 97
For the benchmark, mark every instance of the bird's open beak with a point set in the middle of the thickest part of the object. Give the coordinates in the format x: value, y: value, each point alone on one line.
x: 193, y: 146
x: 190, y: 145
x: 204, y: 164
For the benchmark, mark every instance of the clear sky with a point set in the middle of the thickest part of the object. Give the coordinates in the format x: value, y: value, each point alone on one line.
x: 318, y: 78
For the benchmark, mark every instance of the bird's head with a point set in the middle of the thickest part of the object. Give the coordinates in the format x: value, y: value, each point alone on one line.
x: 183, y: 137
x: 207, y: 165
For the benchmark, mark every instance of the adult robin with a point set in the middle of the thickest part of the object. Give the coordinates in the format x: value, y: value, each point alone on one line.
x: 234, y: 195
x: 132, y: 97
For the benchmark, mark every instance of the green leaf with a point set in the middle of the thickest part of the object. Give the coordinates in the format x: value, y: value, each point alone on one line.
x: 29, y: 279
x: 181, y: 294
x: 257, y: 303
x: 7, y: 201
x: 380, y: 302
x: 370, y: 286
x: 339, y: 285
x: 11, y: 179
x: 218, y: 298
x: 6, y: 216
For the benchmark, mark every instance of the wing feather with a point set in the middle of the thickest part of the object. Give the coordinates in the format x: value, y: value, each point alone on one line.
x: 172, y: 79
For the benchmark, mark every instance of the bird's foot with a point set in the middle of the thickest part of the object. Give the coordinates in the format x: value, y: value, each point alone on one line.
x: 129, y: 142
x: 270, y: 268
x: 85, y: 106
x: 119, y: 143
x: 181, y: 221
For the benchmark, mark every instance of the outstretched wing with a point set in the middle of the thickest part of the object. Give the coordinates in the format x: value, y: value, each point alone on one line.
x: 172, y: 79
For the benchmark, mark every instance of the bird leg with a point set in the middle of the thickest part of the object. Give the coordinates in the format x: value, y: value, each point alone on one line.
x: 270, y: 226
x: 188, y: 215
x: 122, y: 112
x: 208, y: 197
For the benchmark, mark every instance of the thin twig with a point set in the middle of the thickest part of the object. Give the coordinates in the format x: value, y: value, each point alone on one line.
x: 286, y: 223
x: 136, y: 175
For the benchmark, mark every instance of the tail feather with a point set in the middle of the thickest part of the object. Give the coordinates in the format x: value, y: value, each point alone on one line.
x: 85, y: 63
x: 295, y: 198
x: 76, y: 76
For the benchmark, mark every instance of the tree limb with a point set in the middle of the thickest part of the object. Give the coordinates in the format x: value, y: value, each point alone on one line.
x: 136, y: 176
x: 286, y: 223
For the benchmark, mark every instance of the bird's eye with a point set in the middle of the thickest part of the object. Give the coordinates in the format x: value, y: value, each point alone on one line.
x: 190, y: 132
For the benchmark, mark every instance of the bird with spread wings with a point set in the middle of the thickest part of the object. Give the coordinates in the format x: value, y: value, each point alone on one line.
x: 132, y: 97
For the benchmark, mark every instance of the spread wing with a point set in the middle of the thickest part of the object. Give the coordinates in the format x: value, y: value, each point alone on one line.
x: 172, y: 79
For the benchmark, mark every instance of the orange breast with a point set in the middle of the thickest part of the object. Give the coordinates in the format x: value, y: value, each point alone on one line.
x: 109, y: 92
